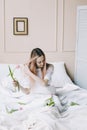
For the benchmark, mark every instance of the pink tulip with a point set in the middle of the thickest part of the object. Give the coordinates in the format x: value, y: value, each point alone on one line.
x: 21, y: 108
x: 17, y: 67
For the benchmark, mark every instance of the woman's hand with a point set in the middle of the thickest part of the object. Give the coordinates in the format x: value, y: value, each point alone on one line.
x: 25, y: 90
x: 30, y: 66
x: 30, y: 61
x: 16, y: 84
x: 33, y: 59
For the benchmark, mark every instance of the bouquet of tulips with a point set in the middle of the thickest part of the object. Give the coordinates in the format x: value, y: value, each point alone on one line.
x: 11, y: 73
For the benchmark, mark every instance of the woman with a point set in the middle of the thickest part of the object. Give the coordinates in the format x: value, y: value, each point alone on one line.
x: 38, y: 70
x: 39, y: 73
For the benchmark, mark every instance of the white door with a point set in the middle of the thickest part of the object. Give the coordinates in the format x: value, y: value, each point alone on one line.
x: 81, y: 48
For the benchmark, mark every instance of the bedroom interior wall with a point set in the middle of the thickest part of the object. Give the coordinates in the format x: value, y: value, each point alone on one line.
x: 52, y: 27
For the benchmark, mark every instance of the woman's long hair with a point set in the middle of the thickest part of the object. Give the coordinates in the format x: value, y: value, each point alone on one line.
x: 32, y: 66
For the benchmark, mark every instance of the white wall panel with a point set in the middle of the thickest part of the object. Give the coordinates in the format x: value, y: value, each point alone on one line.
x: 47, y: 29
x: 41, y: 16
x: 69, y: 31
x: 1, y: 26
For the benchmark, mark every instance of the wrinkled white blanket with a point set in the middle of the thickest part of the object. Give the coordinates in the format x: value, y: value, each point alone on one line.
x: 30, y: 112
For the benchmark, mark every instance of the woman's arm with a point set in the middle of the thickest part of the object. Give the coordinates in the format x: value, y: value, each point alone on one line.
x: 37, y: 79
x: 24, y: 90
x: 43, y: 82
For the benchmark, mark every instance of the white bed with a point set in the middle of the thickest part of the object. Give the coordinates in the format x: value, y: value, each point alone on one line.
x: 31, y: 112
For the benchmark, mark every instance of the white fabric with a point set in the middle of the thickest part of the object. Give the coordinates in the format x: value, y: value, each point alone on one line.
x: 60, y: 77
x: 67, y: 88
x: 35, y: 116
x: 48, y: 74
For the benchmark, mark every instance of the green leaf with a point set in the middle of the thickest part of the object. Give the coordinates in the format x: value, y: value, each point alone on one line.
x: 73, y: 104
x: 50, y: 102
x: 11, y: 73
x: 11, y: 111
x: 21, y: 103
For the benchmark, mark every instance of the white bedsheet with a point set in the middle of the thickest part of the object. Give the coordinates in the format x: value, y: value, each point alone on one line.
x: 29, y: 112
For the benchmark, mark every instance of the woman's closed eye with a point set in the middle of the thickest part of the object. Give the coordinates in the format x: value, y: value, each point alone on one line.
x: 39, y: 62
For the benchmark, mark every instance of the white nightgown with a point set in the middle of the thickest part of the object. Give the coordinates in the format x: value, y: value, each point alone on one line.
x: 25, y: 78
x: 44, y: 89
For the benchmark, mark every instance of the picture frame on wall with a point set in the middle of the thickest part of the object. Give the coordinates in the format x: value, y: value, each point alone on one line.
x: 20, y: 26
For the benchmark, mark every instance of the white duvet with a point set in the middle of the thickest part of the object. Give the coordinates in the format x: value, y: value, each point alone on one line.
x: 30, y: 112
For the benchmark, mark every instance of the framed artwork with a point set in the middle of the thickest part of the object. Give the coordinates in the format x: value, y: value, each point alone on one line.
x: 20, y: 26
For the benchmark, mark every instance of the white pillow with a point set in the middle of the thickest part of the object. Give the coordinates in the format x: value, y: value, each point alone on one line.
x: 7, y: 81
x: 60, y: 77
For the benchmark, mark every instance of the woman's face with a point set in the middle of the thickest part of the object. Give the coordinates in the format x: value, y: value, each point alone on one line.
x: 40, y: 61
